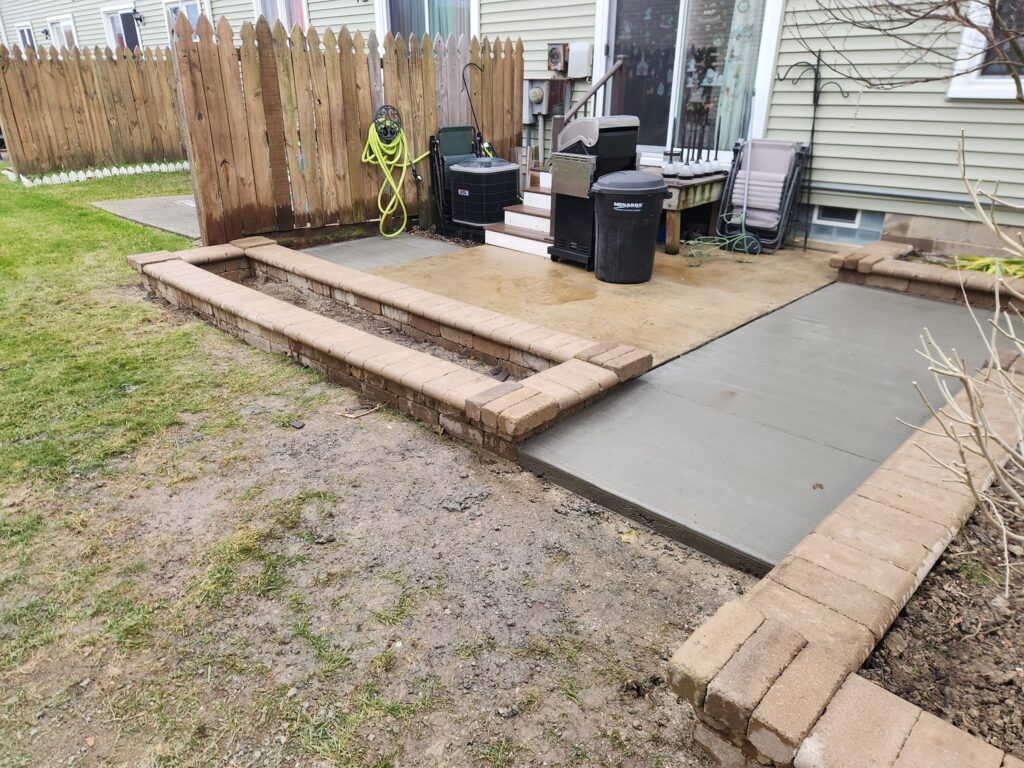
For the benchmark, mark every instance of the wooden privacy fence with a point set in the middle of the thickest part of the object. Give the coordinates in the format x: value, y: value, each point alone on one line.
x: 86, y: 108
x: 275, y: 129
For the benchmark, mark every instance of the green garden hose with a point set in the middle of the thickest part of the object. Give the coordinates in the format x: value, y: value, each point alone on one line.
x: 387, y: 147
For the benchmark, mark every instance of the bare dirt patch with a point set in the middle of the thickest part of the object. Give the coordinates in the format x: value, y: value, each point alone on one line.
x: 364, y: 321
x: 957, y: 650
x: 351, y: 593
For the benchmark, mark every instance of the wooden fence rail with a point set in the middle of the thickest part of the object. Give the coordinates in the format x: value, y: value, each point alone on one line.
x: 275, y: 129
x: 81, y: 109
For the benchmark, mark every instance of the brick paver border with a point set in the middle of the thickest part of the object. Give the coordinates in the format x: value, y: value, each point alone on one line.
x: 564, y: 372
x: 772, y: 677
x: 878, y: 265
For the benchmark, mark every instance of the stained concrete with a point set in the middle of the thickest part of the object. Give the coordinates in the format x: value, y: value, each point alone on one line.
x: 370, y: 253
x: 688, y: 302
x: 174, y: 213
x: 743, y: 446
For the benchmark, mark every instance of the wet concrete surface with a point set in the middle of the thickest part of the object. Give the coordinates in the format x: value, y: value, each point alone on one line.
x: 743, y: 446
x: 688, y: 302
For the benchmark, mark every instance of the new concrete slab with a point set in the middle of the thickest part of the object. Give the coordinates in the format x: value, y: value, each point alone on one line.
x: 743, y: 446
x: 377, y: 252
x: 173, y: 213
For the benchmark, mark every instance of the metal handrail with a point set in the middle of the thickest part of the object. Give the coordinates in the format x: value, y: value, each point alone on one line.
x: 560, y: 121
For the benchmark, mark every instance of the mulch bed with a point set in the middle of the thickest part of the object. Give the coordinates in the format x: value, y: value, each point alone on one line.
x: 957, y: 649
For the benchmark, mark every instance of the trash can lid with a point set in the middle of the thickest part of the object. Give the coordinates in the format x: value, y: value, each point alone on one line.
x: 482, y: 165
x: 630, y: 182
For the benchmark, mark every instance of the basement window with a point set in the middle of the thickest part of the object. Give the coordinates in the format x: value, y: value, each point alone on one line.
x: 834, y: 216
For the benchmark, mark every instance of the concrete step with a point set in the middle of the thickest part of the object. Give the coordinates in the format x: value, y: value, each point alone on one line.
x: 525, y: 217
x: 517, y: 239
x: 537, y: 197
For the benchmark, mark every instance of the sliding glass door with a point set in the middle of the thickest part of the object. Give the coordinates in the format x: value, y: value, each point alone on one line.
x: 690, y: 66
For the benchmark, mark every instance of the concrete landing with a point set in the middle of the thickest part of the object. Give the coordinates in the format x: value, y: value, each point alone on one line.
x: 687, y: 302
x: 377, y: 252
x: 174, y: 213
x: 744, y: 445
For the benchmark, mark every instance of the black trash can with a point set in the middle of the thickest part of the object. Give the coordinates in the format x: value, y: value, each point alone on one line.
x: 626, y: 213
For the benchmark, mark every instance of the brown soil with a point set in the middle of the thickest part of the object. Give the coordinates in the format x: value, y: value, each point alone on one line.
x: 957, y: 649
x: 364, y: 321
x: 354, y: 592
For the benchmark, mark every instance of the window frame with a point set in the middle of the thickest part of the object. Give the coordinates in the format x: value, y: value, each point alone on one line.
x: 60, y: 18
x: 967, y: 81
x: 816, y: 218
x: 108, y: 31
x: 257, y: 11
x: 18, y: 29
x: 204, y: 10
x: 382, y: 17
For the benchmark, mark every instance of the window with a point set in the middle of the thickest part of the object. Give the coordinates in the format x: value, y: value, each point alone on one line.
x: 288, y: 12
x: 981, y: 71
x: 435, y: 17
x: 121, y: 28
x: 835, y: 216
x: 62, y: 32
x: 191, y: 8
x: 26, y: 38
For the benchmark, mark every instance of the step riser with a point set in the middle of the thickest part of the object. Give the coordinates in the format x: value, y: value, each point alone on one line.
x: 540, y: 179
x: 526, y: 221
x: 514, y: 243
x: 537, y: 200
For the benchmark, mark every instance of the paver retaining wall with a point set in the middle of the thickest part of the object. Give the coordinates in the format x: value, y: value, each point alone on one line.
x: 471, y: 406
x: 772, y: 676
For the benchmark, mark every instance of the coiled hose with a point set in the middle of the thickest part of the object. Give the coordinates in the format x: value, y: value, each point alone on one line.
x: 390, y: 154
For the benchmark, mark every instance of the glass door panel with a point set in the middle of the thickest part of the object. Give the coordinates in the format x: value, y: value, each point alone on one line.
x: 645, y: 32
x: 721, y: 39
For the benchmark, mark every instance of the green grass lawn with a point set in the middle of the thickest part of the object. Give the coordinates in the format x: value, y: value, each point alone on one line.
x: 87, y: 370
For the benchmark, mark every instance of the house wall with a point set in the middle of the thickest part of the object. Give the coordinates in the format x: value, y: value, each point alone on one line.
x: 890, y: 150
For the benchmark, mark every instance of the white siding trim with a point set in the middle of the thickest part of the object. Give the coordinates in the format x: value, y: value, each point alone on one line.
x: 771, y: 32
x: 18, y: 29
x: 969, y: 83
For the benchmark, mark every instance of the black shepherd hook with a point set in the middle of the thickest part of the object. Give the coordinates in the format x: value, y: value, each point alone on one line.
x: 819, y: 85
x: 469, y: 96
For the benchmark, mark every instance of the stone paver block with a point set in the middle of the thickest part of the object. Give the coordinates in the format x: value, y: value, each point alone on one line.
x: 378, y: 363
x: 721, y: 750
x: 140, y: 260
x: 627, y: 365
x: 1009, y: 761
x: 459, y: 396
x: 736, y: 690
x: 520, y: 418
x: 864, y: 725
x: 925, y: 532
x: 475, y: 402
x: 252, y: 242
x: 919, y: 499
x: 934, y: 743
x: 566, y: 397
x: 548, y: 346
x: 490, y: 411
x: 584, y: 370
x: 208, y: 253
x: 562, y: 375
x: 708, y: 649
x: 789, y: 709
x: 818, y: 624
x: 569, y: 350
x: 418, y: 378
x: 852, y: 600
x: 879, y: 543
x: 445, y: 389
x: 596, y: 349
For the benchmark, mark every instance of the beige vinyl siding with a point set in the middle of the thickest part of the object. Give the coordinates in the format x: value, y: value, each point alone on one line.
x: 539, y: 22
x: 87, y: 17
x: 335, y: 14
x: 237, y: 12
x: 894, y: 142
